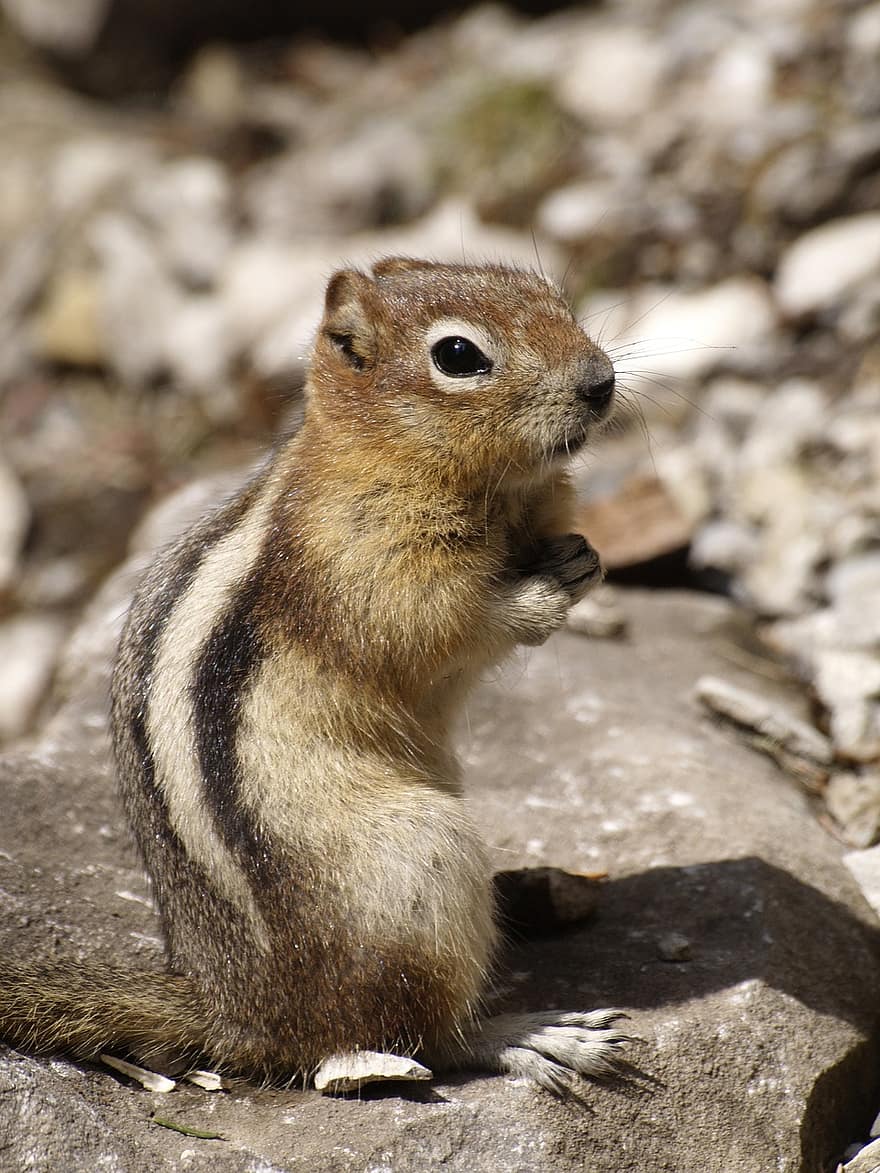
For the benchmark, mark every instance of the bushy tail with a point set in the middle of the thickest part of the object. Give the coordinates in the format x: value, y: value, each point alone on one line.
x: 83, y: 1010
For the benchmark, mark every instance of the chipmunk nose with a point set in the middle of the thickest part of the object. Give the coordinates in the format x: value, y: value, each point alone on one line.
x: 596, y: 388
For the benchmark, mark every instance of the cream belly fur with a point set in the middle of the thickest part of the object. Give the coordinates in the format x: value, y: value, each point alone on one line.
x: 285, y: 688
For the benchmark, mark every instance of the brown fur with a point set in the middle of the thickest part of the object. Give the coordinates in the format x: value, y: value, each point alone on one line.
x: 288, y: 674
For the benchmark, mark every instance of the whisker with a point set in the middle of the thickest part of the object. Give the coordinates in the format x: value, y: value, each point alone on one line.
x: 634, y: 410
x: 630, y: 326
x: 655, y: 379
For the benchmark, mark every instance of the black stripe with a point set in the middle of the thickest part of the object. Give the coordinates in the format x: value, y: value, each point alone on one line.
x: 168, y: 579
x: 228, y: 661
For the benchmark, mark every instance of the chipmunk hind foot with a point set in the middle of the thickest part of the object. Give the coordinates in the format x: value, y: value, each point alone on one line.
x: 551, y: 1048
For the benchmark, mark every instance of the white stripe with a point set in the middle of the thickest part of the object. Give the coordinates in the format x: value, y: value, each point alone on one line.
x: 170, y: 725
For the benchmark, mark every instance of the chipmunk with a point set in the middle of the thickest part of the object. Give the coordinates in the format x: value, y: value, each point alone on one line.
x: 284, y: 690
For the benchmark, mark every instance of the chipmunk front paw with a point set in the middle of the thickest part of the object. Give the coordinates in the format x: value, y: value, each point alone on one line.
x: 571, y: 561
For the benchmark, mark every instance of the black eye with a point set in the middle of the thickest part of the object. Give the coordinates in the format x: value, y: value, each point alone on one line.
x: 459, y: 357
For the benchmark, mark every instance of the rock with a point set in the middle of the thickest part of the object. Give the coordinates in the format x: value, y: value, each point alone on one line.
x: 68, y: 327
x: 865, y: 867
x: 138, y: 300
x: 634, y: 525
x: 578, y: 210
x: 796, y: 746
x: 826, y: 263
x: 187, y: 205
x: 382, y: 174
x: 854, y: 801
x: 586, y: 762
x: 597, y: 57
x: 724, y: 545
x: 544, y: 901
x: 848, y: 684
x: 199, y: 350
x: 598, y: 615
x: 853, y: 586
x: 69, y: 28
x: 674, y: 947
x: 681, y: 336
x: 737, y: 87
x: 784, y: 578
x: 349, y: 1073
x: 29, y: 647
x: 26, y: 265
x: 15, y: 515
x: 867, y: 1160
x: 213, y: 87
x: 92, y: 167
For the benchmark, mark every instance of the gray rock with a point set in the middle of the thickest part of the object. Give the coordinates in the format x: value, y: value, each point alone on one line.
x: 29, y: 646
x: 854, y: 801
x: 865, y: 867
x: 15, y: 515
x: 680, y: 336
x: 66, y: 28
x: 758, y: 1052
x: 824, y: 264
x: 187, y: 204
x: 867, y: 1160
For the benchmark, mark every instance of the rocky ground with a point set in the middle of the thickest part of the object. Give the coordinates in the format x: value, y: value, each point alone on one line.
x: 705, y: 181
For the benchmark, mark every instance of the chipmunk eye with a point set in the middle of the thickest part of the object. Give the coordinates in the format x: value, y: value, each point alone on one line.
x: 459, y: 357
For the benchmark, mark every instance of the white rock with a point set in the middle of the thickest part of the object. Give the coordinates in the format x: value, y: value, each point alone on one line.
x: 857, y: 577
x: 783, y: 579
x: 598, y: 615
x: 738, y: 85
x: 198, y: 344
x: 848, y: 684
x: 575, y: 211
x: 675, y: 335
x: 867, y: 1160
x: 863, y: 31
x: 853, y: 801
x: 82, y: 170
x: 796, y: 414
x: 29, y: 647
x: 684, y: 475
x: 612, y: 73
x: 794, y: 744
x: 262, y: 280
x: 15, y: 515
x: 804, y: 636
x: 350, y: 1071
x: 853, y: 586
x: 152, y: 1081
x: 187, y: 205
x: 68, y: 28
x: 824, y: 264
x: 138, y: 300
x: 865, y: 867
x: 272, y: 298
x: 724, y: 545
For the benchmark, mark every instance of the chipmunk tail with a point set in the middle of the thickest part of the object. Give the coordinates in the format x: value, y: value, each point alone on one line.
x: 81, y: 1010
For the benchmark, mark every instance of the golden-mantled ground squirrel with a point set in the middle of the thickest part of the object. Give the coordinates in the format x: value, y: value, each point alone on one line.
x: 285, y: 686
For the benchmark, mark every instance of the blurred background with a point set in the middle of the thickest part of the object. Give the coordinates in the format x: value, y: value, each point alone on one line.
x: 179, y: 177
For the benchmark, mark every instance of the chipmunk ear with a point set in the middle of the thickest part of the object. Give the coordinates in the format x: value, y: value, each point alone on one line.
x: 347, y: 322
x: 391, y: 266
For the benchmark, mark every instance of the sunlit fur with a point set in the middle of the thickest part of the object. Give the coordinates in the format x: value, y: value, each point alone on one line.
x: 285, y: 687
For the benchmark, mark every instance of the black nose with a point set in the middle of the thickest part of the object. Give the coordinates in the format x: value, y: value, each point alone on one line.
x: 596, y: 389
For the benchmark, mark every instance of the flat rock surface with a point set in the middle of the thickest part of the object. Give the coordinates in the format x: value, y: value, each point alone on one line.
x: 758, y: 1050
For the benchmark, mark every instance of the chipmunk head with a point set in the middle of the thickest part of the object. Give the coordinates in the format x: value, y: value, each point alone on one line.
x: 480, y: 368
